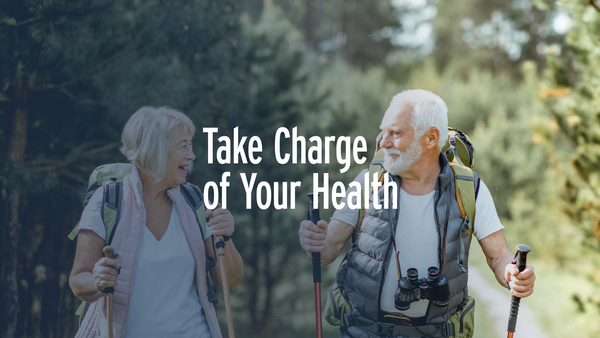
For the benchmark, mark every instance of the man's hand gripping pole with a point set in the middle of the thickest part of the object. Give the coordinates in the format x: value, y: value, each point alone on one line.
x: 520, y: 261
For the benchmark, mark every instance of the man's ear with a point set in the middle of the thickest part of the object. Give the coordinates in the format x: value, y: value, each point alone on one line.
x: 431, y: 138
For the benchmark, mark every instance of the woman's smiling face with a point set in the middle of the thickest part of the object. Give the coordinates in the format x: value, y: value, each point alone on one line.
x: 179, y: 156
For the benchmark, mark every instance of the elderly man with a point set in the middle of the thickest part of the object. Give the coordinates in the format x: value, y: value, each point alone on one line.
x: 424, y: 231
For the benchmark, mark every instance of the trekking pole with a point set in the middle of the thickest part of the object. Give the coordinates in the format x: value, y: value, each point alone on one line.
x: 520, y: 259
x: 110, y: 253
x: 313, y: 215
x: 221, y: 252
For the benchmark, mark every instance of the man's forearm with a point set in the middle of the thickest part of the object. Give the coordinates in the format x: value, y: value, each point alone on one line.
x: 499, y: 264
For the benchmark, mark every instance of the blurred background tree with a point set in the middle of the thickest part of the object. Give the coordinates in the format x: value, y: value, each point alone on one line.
x: 351, y: 30
x: 570, y: 90
x: 72, y: 73
x: 519, y: 76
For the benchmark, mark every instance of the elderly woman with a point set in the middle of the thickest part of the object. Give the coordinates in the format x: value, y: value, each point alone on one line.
x: 161, y: 288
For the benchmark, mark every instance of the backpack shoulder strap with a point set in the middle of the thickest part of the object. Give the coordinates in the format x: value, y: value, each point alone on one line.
x: 195, y: 199
x: 477, y: 179
x: 111, y: 207
x: 467, y: 184
x: 110, y: 211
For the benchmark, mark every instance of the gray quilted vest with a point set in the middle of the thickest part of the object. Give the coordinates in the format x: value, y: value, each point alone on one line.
x: 361, y: 274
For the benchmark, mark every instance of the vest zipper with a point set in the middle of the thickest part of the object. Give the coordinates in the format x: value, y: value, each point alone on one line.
x: 393, y: 224
x: 441, y: 239
x: 441, y: 242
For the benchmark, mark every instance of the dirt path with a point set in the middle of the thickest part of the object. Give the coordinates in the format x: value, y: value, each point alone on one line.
x: 497, y: 305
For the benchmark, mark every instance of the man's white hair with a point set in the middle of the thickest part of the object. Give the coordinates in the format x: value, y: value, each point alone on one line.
x: 429, y: 111
x: 146, y: 139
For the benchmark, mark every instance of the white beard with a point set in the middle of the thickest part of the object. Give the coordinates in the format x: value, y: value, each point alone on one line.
x: 404, y: 160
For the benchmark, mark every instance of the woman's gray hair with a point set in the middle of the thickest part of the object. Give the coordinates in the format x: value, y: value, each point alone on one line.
x: 145, y: 138
x: 429, y: 111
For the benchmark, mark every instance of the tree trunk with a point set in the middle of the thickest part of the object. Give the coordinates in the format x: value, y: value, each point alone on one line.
x: 308, y: 24
x: 253, y: 263
x: 9, y: 273
x: 18, y: 140
x: 269, y: 280
x: 16, y: 155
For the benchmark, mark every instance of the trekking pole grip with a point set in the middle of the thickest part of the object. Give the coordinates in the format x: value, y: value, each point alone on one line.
x: 313, y: 216
x: 108, y: 252
x: 521, y: 262
x: 316, y: 262
x: 522, y: 251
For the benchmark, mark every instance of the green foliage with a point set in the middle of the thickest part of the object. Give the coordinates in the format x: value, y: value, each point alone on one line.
x: 570, y: 90
x: 499, y: 115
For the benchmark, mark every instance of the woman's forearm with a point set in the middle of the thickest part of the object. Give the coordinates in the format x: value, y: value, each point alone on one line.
x: 84, y: 287
x: 234, y: 266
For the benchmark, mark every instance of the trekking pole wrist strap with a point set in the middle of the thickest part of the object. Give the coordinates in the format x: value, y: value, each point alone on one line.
x: 108, y: 290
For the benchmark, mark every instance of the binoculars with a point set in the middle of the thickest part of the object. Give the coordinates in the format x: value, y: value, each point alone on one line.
x: 411, y: 288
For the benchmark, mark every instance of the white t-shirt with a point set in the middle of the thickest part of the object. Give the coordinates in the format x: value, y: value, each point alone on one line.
x: 164, y: 300
x: 417, y: 238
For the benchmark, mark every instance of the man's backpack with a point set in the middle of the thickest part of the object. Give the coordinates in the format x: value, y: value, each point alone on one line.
x: 110, y: 177
x: 461, y: 154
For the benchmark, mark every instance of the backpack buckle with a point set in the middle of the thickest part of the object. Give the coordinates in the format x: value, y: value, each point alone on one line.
x: 448, y: 329
x: 211, y: 295
x: 385, y: 329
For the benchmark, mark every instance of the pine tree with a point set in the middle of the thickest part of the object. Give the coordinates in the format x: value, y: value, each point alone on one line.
x: 72, y: 73
x: 349, y: 30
